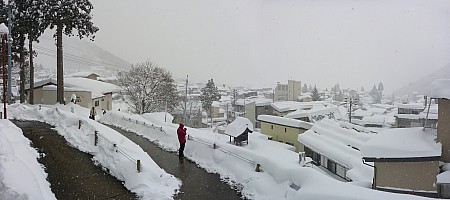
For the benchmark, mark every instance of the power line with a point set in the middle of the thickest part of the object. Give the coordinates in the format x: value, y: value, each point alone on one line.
x: 51, y: 52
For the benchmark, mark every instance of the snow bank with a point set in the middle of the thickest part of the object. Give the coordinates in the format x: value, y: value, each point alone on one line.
x: 151, y: 183
x: 21, y: 176
x: 161, y: 116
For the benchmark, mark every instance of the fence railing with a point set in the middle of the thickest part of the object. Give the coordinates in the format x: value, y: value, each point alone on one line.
x: 226, y: 151
x: 117, y: 149
x: 158, y: 128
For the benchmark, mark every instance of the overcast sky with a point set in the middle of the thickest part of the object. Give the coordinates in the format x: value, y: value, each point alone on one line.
x: 257, y: 43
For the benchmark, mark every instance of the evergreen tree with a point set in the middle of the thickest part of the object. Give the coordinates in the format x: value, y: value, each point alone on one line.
x: 149, y: 88
x: 27, y: 15
x: 375, y: 94
x: 380, y: 88
x: 35, y: 29
x: 315, y: 94
x: 209, y: 94
x: 67, y: 16
x: 304, y: 88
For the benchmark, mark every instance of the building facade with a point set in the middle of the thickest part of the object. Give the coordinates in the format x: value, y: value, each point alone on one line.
x: 284, y: 130
x: 288, y: 92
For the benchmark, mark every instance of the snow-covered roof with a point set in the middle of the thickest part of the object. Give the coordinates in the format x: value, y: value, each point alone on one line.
x: 315, y: 110
x: 66, y: 89
x: 284, y: 106
x: 362, y: 113
x: 304, y: 96
x: 331, y: 139
x: 414, y: 142
x: 41, y: 83
x: 98, y: 88
x: 258, y: 101
x: 411, y: 106
x: 440, y: 89
x: 285, y: 121
x: 384, y: 106
x: 82, y: 74
x: 375, y: 119
x: 379, y: 111
x: 238, y: 126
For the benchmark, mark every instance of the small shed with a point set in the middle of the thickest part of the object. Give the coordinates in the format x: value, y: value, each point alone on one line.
x: 239, y: 130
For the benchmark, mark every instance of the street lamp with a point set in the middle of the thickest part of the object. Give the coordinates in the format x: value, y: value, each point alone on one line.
x: 3, y: 33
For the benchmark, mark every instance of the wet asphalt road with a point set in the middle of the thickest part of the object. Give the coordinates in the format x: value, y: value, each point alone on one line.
x: 71, y: 173
x: 197, y: 183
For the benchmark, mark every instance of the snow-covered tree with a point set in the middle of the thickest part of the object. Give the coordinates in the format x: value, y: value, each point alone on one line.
x: 209, y: 94
x: 149, y: 88
x: 28, y: 22
x: 376, y: 96
x: 304, y: 88
x: 315, y: 94
x: 68, y: 16
x: 380, y: 88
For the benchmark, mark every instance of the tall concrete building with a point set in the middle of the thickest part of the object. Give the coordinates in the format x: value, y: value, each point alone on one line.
x: 288, y: 92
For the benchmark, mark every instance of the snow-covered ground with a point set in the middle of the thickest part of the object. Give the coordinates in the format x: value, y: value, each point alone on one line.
x: 281, y: 175
x: 151, y: 183
x: 21, y: 176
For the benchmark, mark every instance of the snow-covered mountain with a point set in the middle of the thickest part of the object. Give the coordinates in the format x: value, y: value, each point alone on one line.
x: 79, y: 56
x: 423, y: 85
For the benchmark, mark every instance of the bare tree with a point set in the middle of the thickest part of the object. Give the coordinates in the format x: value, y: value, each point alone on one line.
x: 149, y: 88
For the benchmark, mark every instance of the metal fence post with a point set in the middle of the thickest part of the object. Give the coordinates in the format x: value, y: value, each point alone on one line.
x: 258, y: 168
x: 139, y: 166
x: 96, y: 138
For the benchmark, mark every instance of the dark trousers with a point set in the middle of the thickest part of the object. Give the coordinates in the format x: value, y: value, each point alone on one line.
x: 181, y: 150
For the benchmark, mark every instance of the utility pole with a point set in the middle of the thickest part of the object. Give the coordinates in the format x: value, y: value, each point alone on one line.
x: 234, y: 103
x: 185, y: 100
x: 227, y: 113
x: 350, y: 101
x: 9, y: 93
x: 165, y: 111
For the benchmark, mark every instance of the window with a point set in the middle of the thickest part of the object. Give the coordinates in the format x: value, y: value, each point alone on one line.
x: 416, y: 124
x: 331, y: 166
x: 96, y: 103
x: 271, y: 126
x: 285, y: 130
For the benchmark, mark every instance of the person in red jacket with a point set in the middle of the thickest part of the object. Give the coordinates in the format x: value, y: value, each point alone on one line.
x: 181, y: 131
